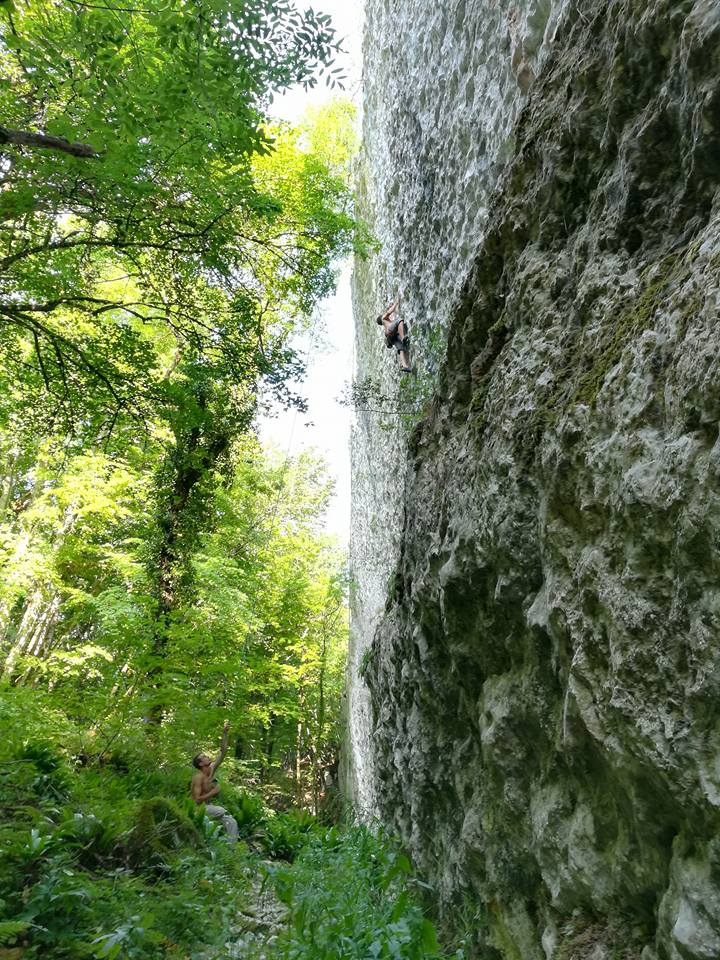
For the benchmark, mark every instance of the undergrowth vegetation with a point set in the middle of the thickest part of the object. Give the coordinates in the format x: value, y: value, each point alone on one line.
x: 352, y: 896
x: 108, y: 857
x: 105, y: 858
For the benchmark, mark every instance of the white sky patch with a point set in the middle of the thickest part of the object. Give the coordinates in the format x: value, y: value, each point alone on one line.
x: 347, y: 17
x: 326, y: 425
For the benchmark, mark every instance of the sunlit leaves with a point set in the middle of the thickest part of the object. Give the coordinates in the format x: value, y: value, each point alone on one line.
x: 172, y: 97
x: 156, y: 565
x: 260, y: 637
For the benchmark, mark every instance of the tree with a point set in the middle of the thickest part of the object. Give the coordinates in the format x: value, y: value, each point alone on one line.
x: 155, y: 230
x: 261, y: 636
x: 160, y: 245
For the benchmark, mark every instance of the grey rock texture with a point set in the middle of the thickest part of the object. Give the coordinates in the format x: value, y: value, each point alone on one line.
x: 543, y: 725
x: 444, y: 86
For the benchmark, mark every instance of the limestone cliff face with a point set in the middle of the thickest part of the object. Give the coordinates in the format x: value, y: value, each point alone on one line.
x: 537, y: 577
x: 444, y: 85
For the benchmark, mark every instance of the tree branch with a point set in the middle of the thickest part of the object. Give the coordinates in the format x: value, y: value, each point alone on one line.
x: 21, y: 138
x: 168, y: 245
x: 37, y: 329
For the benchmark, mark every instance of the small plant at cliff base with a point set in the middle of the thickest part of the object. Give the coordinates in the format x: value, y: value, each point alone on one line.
x: 284, y: 835
x: 350, y: 898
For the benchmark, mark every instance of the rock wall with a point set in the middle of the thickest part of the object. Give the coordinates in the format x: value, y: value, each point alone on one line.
x: 535, y: 556
x: 444, y: 84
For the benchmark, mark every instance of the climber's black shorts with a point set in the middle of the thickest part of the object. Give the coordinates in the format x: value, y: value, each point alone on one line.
x: 393, y: 338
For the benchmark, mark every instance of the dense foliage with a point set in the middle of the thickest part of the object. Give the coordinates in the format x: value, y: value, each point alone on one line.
x: 162, y: 244
x: 258, y: 635
x: 107, y: 857
x: 169, y: 239
x: 351, y: 898
x: 110, y: 858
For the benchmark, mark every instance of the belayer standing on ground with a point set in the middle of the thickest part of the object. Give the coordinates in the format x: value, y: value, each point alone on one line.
x: 396, y: 334
x: 204, y: 787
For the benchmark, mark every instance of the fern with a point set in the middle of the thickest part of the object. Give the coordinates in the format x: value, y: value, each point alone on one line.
x: 10, y: 930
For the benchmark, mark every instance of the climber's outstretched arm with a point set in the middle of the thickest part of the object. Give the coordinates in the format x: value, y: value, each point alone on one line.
x: 392, y: 308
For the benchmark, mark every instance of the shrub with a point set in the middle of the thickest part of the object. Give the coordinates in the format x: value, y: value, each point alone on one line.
x: 161, y: 826
x: 350, y: 899
x: 11, y: 930
x: 247, y: 808
x: 90, y: 841
x: 287, y: 833
x: 51, y: 775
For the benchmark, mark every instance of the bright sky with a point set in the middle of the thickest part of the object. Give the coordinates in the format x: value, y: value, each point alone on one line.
x: 326, y: 425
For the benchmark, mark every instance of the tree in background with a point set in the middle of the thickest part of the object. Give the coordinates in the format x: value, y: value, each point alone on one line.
x: 261, y: 638
x: 158, y: 228
x: 161, y: 245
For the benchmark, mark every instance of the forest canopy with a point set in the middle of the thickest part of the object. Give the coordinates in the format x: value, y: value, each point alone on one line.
x: 162, y: 243
x: 140, y: 229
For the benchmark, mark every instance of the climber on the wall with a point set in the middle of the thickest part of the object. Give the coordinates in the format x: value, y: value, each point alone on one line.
x: 396, y: 335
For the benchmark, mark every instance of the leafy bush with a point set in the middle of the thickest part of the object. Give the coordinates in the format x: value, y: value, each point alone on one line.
x: 11, y: 930
x: 286, y: 834
x: 72, y: 892
x: 33, y: 780
x: 136, y: 937
x: 161, y: 826
x: 52, y: 774
x: 59, y: 906
x: 247, y: 808
x: 28, y: 714
x: 90, y: 841
x: 350, y: 899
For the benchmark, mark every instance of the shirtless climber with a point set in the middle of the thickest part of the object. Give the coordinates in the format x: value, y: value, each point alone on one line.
x: 205, y: 787
x: 395, y: 334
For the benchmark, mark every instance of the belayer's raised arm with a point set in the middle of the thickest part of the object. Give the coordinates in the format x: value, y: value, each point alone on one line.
x: 223, y: 748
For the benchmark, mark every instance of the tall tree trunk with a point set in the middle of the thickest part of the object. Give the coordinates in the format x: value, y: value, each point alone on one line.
x: 24, y: 538
x: 268, y: 748
x: 193, y: 457
x: 36, y: 629
x: 298, y: 765
x: 320, y: 720
x: 6, y: 485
